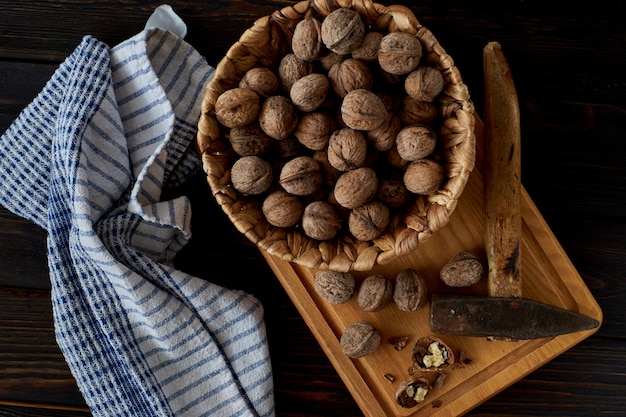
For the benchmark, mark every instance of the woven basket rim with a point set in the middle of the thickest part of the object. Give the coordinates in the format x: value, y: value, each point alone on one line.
x: 263, y: 44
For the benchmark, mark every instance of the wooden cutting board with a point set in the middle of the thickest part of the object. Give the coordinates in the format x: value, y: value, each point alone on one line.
x: 549, y: 277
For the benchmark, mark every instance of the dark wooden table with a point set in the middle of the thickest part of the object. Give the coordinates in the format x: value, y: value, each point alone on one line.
x: 569, y: 63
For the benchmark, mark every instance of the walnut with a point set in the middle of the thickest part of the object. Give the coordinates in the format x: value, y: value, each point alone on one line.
x: 423, y: 176
x: 374, y: 293
x: 261, y: 80
x: 329, y: 172
x: 250, y: 140
x: 463, y: 270
x: 363, y: 110
x: 350, y: 74
x: 347, y: 149
x: 334, y: 287
x: 395, y: 160
x: 292, y: 68
x: 399, y: 53
x: 415, y: 111
x: 368, y: 51
x: 356, y: 187
x: 412, y: 391
x: 301, y: 176
x: 359, y: 339
x: 368, y: 221
x: 430, y: 353
x: 329, y: 59
x: 424, y: 83
x: 278, y: 117
x: 392, y: 192
x: 416, y: 142
x: 343, y: 30
x: 251, y: 175
x: 383, y: 137
x: 306, y: 42
x: 314, y: 130
x: 320, y: 220
x: 237, y: 107
x: 287, y: 148
x: 309, y: 92
x: 410, y: 290
x: 282, y: 209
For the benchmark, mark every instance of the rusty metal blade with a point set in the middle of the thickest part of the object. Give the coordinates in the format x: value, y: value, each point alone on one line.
x: 515, y: 318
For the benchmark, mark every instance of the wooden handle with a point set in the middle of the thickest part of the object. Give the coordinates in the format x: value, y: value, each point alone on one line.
x: 502, y: 176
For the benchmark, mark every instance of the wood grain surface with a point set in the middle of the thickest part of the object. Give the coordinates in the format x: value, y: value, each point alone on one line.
x: 569, y: 68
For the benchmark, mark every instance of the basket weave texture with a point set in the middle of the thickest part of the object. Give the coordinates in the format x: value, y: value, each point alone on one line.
x: 264, y: 44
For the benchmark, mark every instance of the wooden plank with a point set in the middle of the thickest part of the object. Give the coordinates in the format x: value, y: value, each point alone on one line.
x: 32, y: 368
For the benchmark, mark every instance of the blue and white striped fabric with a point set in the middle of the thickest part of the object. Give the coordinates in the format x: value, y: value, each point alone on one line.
x: 88, y: 160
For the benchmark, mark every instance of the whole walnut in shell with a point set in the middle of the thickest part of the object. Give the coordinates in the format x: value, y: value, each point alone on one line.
x: 423, y: 176
x: 424, y: 83
x: 251, y: 175
x: 356, y: 187
x: 416, y: 142
x: 410, y: 291
x: 237, y: 107
x: 363, y: 110
x: 399, y: 53
x: 261, y: 80
x: 359, y: 339
x: 392, y: 192
x: 384, y: 136
x: 414, y: 111
x: 250, y: 140
x: 320, y: 221
x: 301, y: 176
x: 335, y: 287
x: 368, y: 51
x: 369, y: 220
x: 343, y: 31
x: 282, y: 209
x: 314, y: 129
x: 278, y: 117
x: 374, y: 293
x: 292, y: 68
x: 309, y: 92
x: 350, y: 74
x: 347, y: 149
x: 306, y: 42
x: 463, y: 270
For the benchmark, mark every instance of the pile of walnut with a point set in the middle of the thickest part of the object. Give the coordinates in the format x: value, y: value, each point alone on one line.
x: 408, y: 292
x: 340, y: 134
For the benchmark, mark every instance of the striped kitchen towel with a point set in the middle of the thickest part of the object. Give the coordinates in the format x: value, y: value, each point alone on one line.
x: 88, y: 161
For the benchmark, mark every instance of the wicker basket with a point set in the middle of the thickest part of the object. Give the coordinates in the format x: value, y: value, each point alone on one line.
x: 264, y: 44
